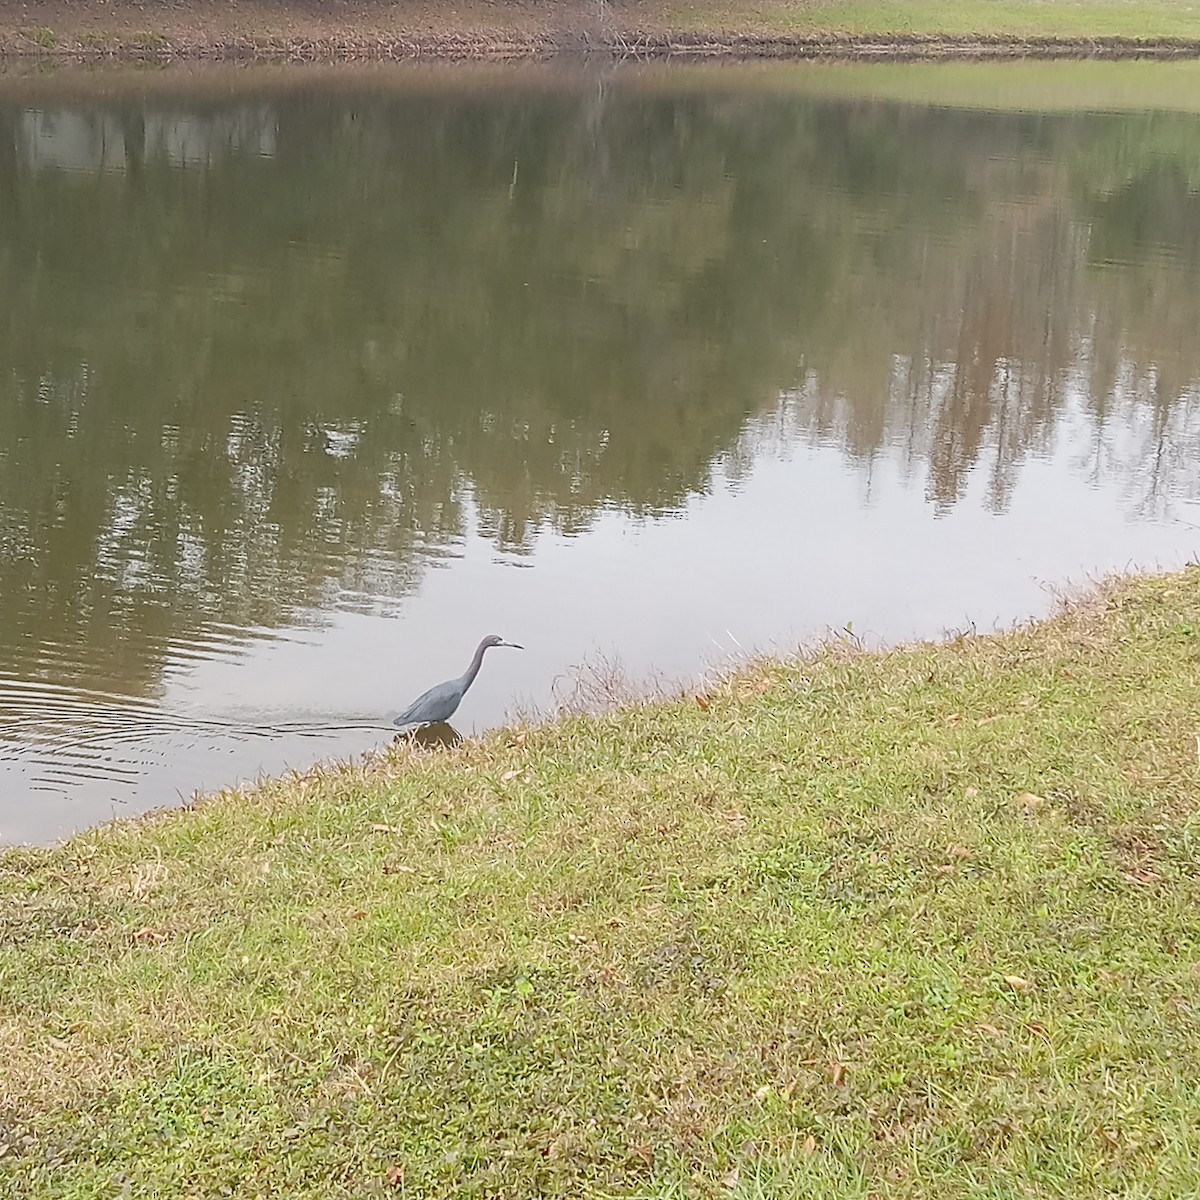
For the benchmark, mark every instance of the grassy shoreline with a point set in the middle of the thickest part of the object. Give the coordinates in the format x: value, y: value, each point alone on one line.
x: 920, y: 923
x: 475, y: 29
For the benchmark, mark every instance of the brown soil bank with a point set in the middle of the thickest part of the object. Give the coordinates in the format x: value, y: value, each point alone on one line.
x: 474, y: 29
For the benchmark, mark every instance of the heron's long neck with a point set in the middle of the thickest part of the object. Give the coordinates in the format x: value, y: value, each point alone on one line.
x: 468, y: 676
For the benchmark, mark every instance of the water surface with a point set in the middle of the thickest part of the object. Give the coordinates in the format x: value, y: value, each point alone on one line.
x: 310, y: 379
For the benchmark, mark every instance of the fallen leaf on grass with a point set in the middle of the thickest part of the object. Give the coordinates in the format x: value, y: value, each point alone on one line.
x: 1140, y: 876
x: 645, y: 1153
x: 984, y: 1027
x: 1016, y: 982
x: 1030, y: 800
x: 810, y: 1145
x: 398, y: 869
x: 732, y: 816
x: 394, y: 1175
x: 839, y: 1074
x: 385, y: 829
x: 146, y: 934
x: 357, y: 914
x: 731, y: 1180
x: 956, y: 851
x: 509, y: 775
x: 700, y: 700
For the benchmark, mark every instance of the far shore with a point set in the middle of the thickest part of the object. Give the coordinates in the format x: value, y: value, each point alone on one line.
x: 124, y: 30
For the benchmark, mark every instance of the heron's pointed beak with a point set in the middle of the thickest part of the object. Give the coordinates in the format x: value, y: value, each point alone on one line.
x: 512, y: 645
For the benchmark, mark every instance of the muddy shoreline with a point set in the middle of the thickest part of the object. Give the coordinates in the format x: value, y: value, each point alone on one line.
x: 44, y: 44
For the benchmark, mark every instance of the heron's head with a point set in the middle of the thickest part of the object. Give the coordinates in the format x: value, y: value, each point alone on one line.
x: 493, y: 639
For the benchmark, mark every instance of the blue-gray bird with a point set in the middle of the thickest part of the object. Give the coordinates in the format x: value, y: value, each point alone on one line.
x: 439, y: 703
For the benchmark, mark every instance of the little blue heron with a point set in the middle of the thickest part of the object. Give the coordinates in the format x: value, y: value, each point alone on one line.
x: 439, y: 703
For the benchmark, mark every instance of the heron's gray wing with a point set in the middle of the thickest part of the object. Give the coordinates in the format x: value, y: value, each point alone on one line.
x: 437, y: 704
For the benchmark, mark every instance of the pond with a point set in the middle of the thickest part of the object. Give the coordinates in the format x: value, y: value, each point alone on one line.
x: 310, y: 378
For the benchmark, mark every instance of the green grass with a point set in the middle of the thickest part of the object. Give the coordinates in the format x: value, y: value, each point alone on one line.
x: 43, y: 36
x: 949, y: 18
x: 921, y: 924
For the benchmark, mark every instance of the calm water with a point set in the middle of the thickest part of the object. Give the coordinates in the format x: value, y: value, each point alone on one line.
x: 307, y: 381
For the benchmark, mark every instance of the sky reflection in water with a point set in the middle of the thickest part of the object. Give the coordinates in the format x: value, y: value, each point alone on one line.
x: 305, y: 388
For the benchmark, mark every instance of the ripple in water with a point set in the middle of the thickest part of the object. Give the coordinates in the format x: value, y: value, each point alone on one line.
x: 128, y: 754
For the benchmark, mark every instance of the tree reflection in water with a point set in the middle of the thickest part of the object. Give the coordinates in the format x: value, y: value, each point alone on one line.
x: 261, y: 353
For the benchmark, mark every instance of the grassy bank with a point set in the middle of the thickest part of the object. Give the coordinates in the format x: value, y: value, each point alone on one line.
x: 913, y: 925
x: 513, y: 28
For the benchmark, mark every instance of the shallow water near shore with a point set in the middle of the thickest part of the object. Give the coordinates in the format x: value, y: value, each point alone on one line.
x: 310, y: 379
